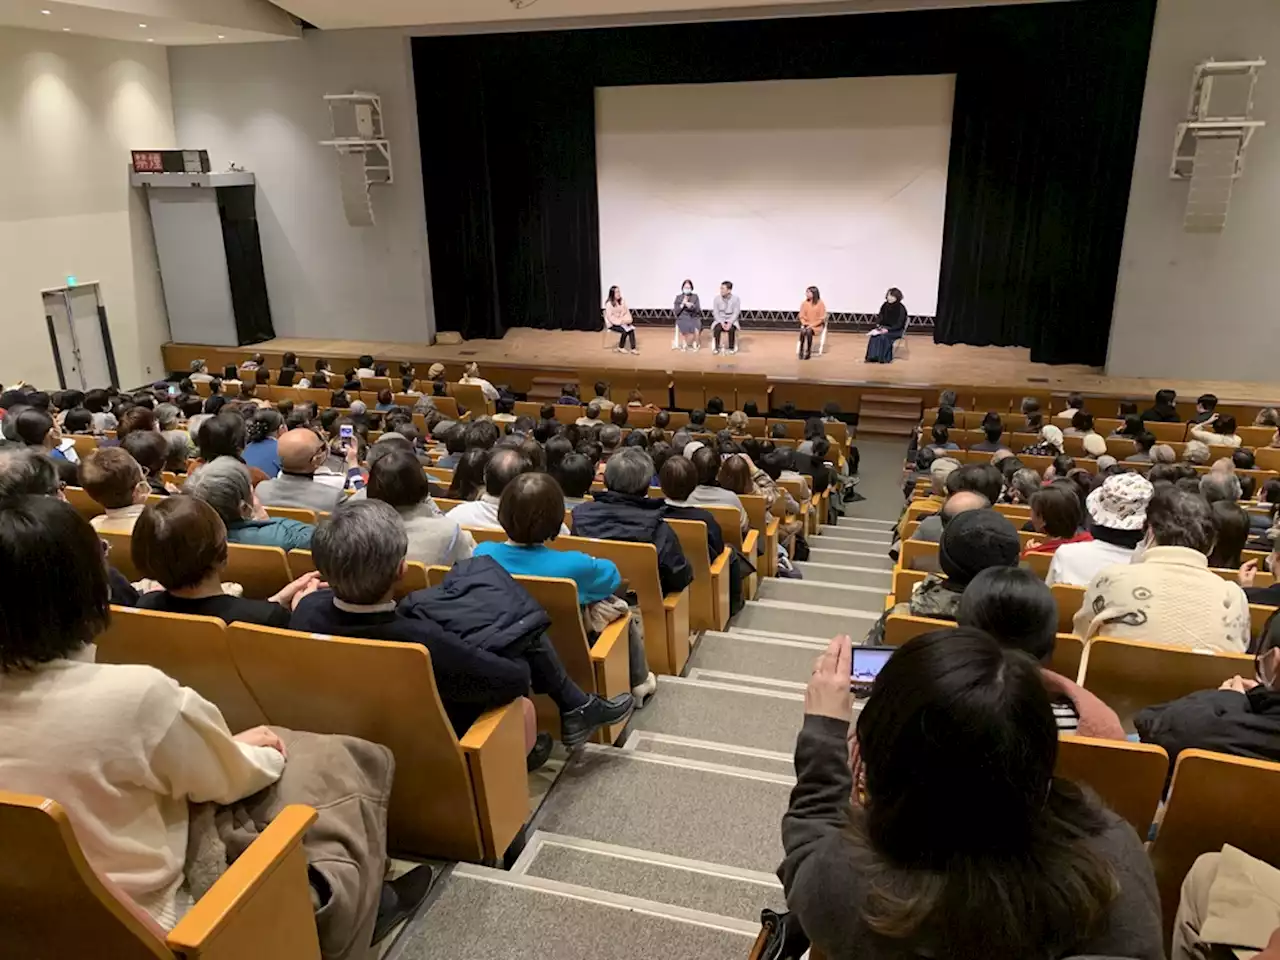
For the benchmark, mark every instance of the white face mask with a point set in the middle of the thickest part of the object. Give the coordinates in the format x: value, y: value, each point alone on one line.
x: 688, y: 290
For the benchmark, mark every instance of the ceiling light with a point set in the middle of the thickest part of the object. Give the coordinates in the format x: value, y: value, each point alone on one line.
x: 66, y: 29
x: 143, y: 26
x: 47, y: 13
x: 222, y: 36
x: 151, y: 39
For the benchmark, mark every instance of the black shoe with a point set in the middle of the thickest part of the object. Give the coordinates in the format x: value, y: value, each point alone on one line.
x: 400, y: 898
x: 540, y: 753
x: 577, y: 726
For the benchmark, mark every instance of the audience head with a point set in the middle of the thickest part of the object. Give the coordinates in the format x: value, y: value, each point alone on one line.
x: 679, y: 478
x: 532, y: 509
x: 1247, y: 485
x: 1106, y: 462
x: 594, y: 409
x: 698, y: 418
x: 1215, y: 487
x: 1014, y: 606
x: 265, y: 423
x: 1231, y: 531
x: 1051, y: 437
x: 961, y: 502
x: 715, y: 407
x: 946, y: 417
x: 78, y: 420
x: 1133, y: 426
x: 468, y: 475
x: 36, y: 428
x: 1008, y: 464
x: 735, y: 476
x: 751, y: 408
x: 993, y: 429
x: 707, y: 462
x: 575, y: 474
x: 1163, y: 453
x: 397, y: 478
x: 113, y: 478
x: 179, y: 542
x: 974, y: 540
x: 629, y: 472
x: 1120, y: 503
x: 1179, y: 519
x: 738, y: 424
x: 1023, y: 484
x: 1094, y: 446
x: 226, y: 486
x: 1144, y: 441
x: 947, y: 398
x: 662, y: 419
x: 221, y: 436
x: 1056, y: 510
x: 27, y: 472
x: 939, y: 469
x: 1165, y: 399
x: 1082, y: 421
x: 610, y: 438
x: 981, y: 478
x: 482, y: 435
x: 1243, y: 459
x: 1196, y: 451
x: 149, y: 449
x: 505, y: 464
x: 360, y: 551
x: 1267, y: 417
x: 939, y: 435
x: 1225, y: 426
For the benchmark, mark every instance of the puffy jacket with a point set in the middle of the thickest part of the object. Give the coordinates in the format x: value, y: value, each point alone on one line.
x: 636, y: 519
x: 1244, y: 725
x: 481, y: 603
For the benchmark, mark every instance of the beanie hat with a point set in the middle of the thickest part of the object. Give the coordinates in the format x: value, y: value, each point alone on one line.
x: 1121, y: 502
x: 435, y: 370
x: 1094, y: 445
x: 975, y: 540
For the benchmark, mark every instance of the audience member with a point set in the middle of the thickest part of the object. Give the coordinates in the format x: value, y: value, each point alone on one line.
x: 575, y: 474
x: 1164, y: 410
x: 679, y: 478
x: 1219, y: 486
x: 1168, y: 594
x: 152, y: 453
x: 505, y: 464
x: 1117, y: 512
x: 1050, y: 443
x: 397, y: 478
x: 1231, y: 532
x: 262, y: 447
x: 981, y: 479
x: 1222, y: 431
x: 115, y: 481
x: 1075, y: 404
x: 1206, y: 403
x: 1019, y: 863
x: 1022, y: 485
x: 592, y: 415
x: 468, y: 475
x: 992, y: 429
x: 299, y: 485
x: 1056, y: 512
x: 1142, y: 445
x: 226, y: 486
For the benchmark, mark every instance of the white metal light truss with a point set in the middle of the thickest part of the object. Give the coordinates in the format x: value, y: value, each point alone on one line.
x: 1209, y: 147
x: 364, y: 152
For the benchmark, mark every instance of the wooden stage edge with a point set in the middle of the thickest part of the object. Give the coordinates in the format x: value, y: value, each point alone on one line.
x: 554, y: 353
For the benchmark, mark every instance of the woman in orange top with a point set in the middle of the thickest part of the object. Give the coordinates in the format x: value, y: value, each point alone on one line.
x: 813, y: 319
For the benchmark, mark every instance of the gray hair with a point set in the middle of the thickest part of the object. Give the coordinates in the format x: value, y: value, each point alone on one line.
x: 1177, y: 518
x: 1163, y: 453
x: 359, y: 549
x: 25, y: 472
x: 630, y: 470
x: 610, y: 436
x: 197, y: 366
x: 358, y: 408
x: 1024, y: 482
x: 224, y: 485
x: 1196, y: 451
x: 1106, y: 460
x: 168, y: 415
x: 1220, y: 486
x: 947, y: 398
x: 594, y: 409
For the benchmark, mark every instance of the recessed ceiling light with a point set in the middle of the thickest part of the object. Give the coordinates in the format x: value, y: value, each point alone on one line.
x: 151, y: 39
x: 143, y: 26
x: 66, y: 29
x: 222, y: 36
x: 47, y: 13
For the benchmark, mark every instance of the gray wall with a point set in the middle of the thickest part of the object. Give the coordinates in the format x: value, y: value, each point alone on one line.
x: 1189, y: 305
x: 261, y: 106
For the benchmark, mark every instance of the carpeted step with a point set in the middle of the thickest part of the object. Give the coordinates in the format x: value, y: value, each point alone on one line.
x: 817, y: 622
x: 691, y: 884
x: 764, y: 761
x: 828, y: 550
x: 867, y: 599
x: 880, y: 579
x: 774, y: 659
x: 483, y: 914
x: 871, y: 539
x: 670, y: 806
x: 724, y: 713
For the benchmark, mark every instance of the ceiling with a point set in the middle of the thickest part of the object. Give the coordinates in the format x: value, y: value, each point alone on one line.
x: 454, y: 15
x: 167, y: 22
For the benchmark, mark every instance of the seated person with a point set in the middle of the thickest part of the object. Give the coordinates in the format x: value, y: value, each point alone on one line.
x: 709, y: 492
x: 1022, y: 484
x: 1117, y: 517
x: 505, y: 464
x: 1024, y: 864
x: 940, y: 439
x: 455, y: 443
x: 1231, y: 532
x: 625, y: 511
x: 993, y: 429
x: 1164, y: 410
x: 976, y: 478
x: 1221, y: 430
x: 575, y: 475
x: 302, y: 453
x: 679, y: 478
x: 1168, y: 595
x: 226, y: 486
x: 151, y: 451
x: 397, y: 478
x: 116, y: 482
x: 1075, y: 404
x: 1015, y: 606
x: 360, y: 552
x: 181, y: 543
x: 1056, y: 513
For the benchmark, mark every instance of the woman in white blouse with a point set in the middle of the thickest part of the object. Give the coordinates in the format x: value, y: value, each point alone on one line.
x: 471, y: 374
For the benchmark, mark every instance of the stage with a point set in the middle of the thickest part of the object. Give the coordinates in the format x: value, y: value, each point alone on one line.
x: 564, y: 352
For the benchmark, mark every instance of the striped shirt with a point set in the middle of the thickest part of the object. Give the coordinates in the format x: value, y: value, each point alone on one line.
x: 1064, y: 714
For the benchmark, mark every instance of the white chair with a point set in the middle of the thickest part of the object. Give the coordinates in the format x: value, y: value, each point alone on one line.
x: 821, y: 345
x: 675, y: 337
x: 900, y: 349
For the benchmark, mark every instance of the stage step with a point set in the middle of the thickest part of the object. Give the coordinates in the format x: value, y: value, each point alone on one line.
x: 889, y: 415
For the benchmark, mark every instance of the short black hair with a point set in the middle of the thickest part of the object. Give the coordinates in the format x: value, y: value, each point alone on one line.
x: 221, y: 436
x: 532, y: 509
x: 482, y: 434
x: 1166, y: 398
x: 980, y: 478
x: 751, y: 408
x: 946, y: 417
x: 707, y: 462
x: 575, y: 474
x: 396, y: 477
x: 727, y: 283
x: 1013, y: 605
x: 1145, y: 440
x: 366, y: 361
x: 1207, y: 401
x: 601, y: 388
x: 1243, y: 459
x: 455, y: 439
x: 1082, y: 420
x: 715, y: 406
x: 679, y: 477
x: 54, y: 597
x: 662, y: 419
x: 697, y: 417
x: 77, y: 420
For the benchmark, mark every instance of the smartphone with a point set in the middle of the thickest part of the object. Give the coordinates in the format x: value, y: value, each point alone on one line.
x: 173, y: 389
x: 866, y: 666
x: 345, y: 433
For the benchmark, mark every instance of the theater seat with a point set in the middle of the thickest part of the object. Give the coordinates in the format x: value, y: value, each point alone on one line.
x: 1130, y: 777
x: 709, y: 592
x: 415, y: 574
x: 53, y: 904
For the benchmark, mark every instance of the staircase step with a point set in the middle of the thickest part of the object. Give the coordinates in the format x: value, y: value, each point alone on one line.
x: 838, y: 573
x: 489, y: 914
x: 724, y: 713
x: 691, y: 884
x: 757, y: 656
x: 671, y: 806
x: 869, y: 599
x: 818, y: 622
x: 765, y: 761
x: 828, y: 552
x: 855, y: 538
x: 887, y: 525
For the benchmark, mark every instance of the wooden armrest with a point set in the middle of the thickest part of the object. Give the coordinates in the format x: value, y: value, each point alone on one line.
x: 672, y: 600
x: 609, y: 638
x: 494, y: 749
x: 751, y: 543
x: 722, y: 561
x: 889, y: 601
x: 771, y: 528
x: 611, y: 669
x: 261, y: 907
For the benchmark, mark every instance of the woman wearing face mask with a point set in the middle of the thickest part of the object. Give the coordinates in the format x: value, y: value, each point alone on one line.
x: 688, y: 313
x: 891, y: 328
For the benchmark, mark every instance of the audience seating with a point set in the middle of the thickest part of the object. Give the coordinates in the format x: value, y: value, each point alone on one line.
x: 904, y: 582
x: 807, y: 514
x: 730, y: 521
x: 1129, y: 777
x: 899, y: 628
x: 709, y: 592
x: 56, y: 905
x: 85, y: 444
x: 262, y: 571
x: 1214, y: 800
x: 291, y: 513
x: 919, y: 555
x: 85, y: 505
x: 454, y: 799
x: 415, y: 574
x: 1129, y: 674
x: 766, y: 526
x: 1068, y: 597
x: 120, y: 554
x: 666, y: 618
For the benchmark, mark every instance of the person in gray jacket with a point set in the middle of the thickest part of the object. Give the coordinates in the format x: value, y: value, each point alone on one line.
x: 960, y: 842
x: 726, y: 309
x: 302, y: 453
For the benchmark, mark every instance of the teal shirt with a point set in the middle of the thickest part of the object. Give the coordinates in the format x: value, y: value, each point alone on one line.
x: 276, y: 532
x: 596, y: 579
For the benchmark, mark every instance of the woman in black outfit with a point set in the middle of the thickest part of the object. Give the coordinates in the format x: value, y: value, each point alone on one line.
x: 892, y: 328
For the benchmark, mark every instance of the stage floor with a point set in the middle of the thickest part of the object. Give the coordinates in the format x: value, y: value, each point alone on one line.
x: 773, y: 353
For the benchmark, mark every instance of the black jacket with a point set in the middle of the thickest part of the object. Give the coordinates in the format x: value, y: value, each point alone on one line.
x: 811, y: 466
x: 481, y: 603
x: 636, y: 519
x: 1158, y: 415
x: 1244, y: 725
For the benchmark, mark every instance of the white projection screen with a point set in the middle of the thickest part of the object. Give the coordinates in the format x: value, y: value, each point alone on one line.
x: 775, y: 185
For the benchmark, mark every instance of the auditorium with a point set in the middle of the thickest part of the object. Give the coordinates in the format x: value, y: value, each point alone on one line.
x: 717, y: 479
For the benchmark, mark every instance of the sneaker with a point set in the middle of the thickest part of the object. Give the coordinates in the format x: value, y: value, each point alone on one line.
x: 400, y: 898
x: 684, y: 347
x: 734, y: 351
x: 540, y: 753
x: 635, y: 351
x: 577, y: 726
x: 644, y: 691
x: 715, y: 351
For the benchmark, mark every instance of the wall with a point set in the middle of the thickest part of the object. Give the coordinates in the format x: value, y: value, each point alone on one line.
x: 840, y: 183
x: 261, y: 106
x: 71, y: 109
x: 1190, y: 305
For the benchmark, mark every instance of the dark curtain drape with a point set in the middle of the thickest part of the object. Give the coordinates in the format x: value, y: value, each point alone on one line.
x: 1042, y: 154
x: 243, y: 247
x: 1045, y: 124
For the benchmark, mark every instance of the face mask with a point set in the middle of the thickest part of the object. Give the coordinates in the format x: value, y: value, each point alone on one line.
x: 688, y: 289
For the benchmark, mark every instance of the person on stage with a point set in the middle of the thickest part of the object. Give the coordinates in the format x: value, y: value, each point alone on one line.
x: 726, y: 311
x: 813, y: 320
x: 618, y: 319
x: 891, y: 328
x: 688, y: 313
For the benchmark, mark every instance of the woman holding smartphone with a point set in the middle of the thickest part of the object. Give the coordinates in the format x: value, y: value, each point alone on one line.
x: 688, y: 314
x: 617, y: 318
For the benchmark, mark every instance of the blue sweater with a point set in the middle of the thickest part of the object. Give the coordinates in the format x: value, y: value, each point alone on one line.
x: 596, y: 579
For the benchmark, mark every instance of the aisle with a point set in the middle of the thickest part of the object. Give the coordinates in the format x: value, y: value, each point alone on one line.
x: 667, y: 846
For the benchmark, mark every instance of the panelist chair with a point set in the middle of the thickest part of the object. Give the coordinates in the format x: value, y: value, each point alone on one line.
x: 820, y: 347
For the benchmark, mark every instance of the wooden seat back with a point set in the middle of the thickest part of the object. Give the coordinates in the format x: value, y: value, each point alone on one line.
x: 85, y: 443
x: 262, y: 571
x: 899, y: 628
x: 1129, y: 674
x: 471, y: 396
x: 85, y: 505
x: 385, y: 693
x: 1129, y: 777
x: 1259, y: 614
x: 292, y: 513
x: 1039, y: 563
x: 120, y: 554
x: 192, y: 650
x: 919, y: 555
x: 904, y: 582
x: 702, y: 601
x: 1214, y: 800
x: 1068, y: 597
x: 730, y: 521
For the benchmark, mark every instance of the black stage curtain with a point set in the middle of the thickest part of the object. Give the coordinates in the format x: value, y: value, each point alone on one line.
x: 1046, y: 115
